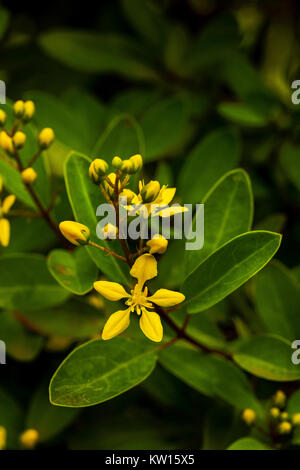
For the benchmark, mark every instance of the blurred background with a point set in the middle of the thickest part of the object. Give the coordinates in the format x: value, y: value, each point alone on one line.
x: 206, y: 87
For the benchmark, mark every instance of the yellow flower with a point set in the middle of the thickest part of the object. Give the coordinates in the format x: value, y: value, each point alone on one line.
x: 2, y: 118
x: 296, y: 419
x: 279, y: 398
x: 19, y: 140
x: 110, y: 189
x: 144, y: 269
x: 110, y: 231
x: 117, y: 162
x: 158, y: 244
x: 97, y: 170
x: 29, y: 176
x: 6, y: 142
x: 249, y: 416
x: 46, y: 137
x: 29, y: 438
x: 29, y: 110
x: 284, y: 416
x: 285, y: 427
x: 3, y: 435
x: 76, y: 233
x: 155, y: 198
x: 137, y: 162
x: 19, y: 108
x: 5, y: 207
x: 274, y: 412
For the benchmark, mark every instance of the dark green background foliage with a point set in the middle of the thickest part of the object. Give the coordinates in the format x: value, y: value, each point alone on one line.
x: 202, y: 89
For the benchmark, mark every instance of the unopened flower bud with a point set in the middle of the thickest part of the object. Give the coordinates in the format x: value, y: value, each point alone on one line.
x: 110, y: 232
x: 6, y: 142
x: 3, y: 435
x: 296, y: 419
x: 249, y: 416
x: 127, y: 167
x: 279, y: 398
x: 275, y: 412
x: 150, y: 191
x: 19, y: 140
x: 137, y: 162
x: 19, y: 108
x: 29, y: 176
x: 76, y: 233
x: 29, y: 438
x: 117, y: 162
x: 284, y: 416
x: 2, y: 118
x: 285, y: 427
x: 46, y: 137
x: 158, y: 244
x: 110, y: 188
x: 97, y: 170
x: 29, y: 109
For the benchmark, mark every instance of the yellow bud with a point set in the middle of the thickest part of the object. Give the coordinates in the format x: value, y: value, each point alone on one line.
x: 108, y: 187
x: 130, y: 195
x: 285, y: 427
x: 3, y: 436
x: 158, y: 244
x: 76, y: 233
x: 249, y: 416
x: 284, y: 416
x: 19, y: 108
x: 29, y: 438
x: 117, y: 162
x: 29, y: 110
x: 19, y: 140
x: 127, y: 167
x: 97, y: 170
x: 150, y: 191
x: 6, y: 142
x: 137, y: 162
x: 110, y: 231
x: 296, y: 419
x: 29, y: 176
x: 2, y: 118
x: 274, y: 412
x: 46, y: 137
x: 279, y: 398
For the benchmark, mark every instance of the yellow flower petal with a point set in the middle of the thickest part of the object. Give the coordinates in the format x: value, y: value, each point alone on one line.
x: 4, y: 232
x: 116, y: 324
x: 158, y: 244
x: 167, y: 194
x: 110, y: 290
x: 151, y: 326
x: 169, y: 211
x: 166, y: 298
x: 76, y: 233
x: 144, y: 268
x: 7, y: 203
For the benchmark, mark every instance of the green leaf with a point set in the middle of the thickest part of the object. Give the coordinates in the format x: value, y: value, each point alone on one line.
x: 25, y: 283
x: 122, y: 136
x: 75, y: 271
x: 75, y: 319
x: 12, y: 181
x: 289, y: 158
x: 95, y: 52
x: 84, y: 198
x: 11, y: 418
x: 243, y: 114
x: 277, y: 298
x: 228, y: 268
x: 268, y: 357
x: 100, y: 370
x: 47, y: 419
x: 210, y: 375
x: 228, y: 210
x: 214, y: 155
x: 248, y: 443
x: 20, y: 343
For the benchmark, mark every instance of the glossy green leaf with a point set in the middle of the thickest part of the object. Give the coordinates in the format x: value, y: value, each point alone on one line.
x: 21, y: 344
x: 100, y: 370
x: 228, y: 268
x: 210, y: 375
x: 84, y: 198
x: 75, y: 319
x: 228, y: 212
x: 215, y: 154
x: 268, y: 357
x: 289, y: 158
x: 74, y: 271
x: 248, y: 443
x: 277, y: 298
x: 25, y: 283
x: 47, y: 419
